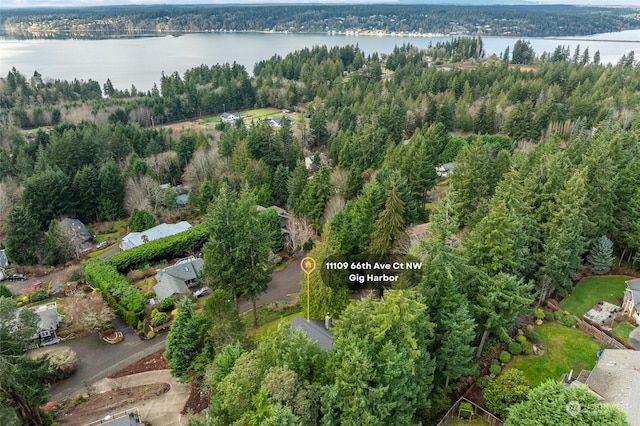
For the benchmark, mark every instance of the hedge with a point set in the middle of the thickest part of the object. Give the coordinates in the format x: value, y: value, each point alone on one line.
x: 116, y: 291
x: 163, y: 248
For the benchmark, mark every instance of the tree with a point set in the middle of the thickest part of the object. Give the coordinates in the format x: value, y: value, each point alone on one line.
x: 47, y: 195
x: 4, y: 291
x: 111, y: 196
x: 59, y: 246
x: 380, y: 369
x: 314, y: 197
x: 318, y: 125
x: 141, y: 220
x: 223, y: 325
x: 548, y: 404
x: 184, y: 339
x: 89, y: 313
x: 297, y: 182
x: 522, y: 53
x: 508, y: 389
x: 389, y: 226
x: 23, y: 236
x: 22, y: 379
x: 601, y: 255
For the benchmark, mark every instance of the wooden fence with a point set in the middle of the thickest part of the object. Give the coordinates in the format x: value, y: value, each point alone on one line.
x: 477, y: 411
x: 607, y: 341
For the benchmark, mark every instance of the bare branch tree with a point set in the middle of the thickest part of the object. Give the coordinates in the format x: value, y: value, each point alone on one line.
x: 299, y: 232
x: 89, y: 312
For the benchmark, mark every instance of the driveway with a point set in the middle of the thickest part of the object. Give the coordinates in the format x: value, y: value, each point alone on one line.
x: 98, y: 359
x: 634, y: 338
x: 283, y: 284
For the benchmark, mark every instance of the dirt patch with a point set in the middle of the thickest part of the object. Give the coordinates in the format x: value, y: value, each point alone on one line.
x: 81, y: 411
x: 198, y: 400
x: 153, y: 362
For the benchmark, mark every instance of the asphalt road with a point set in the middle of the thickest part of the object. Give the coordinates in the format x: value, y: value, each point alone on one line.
x: 283, y: 284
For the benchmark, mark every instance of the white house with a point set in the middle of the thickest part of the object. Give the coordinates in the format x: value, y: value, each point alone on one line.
x: 631, y: 300
x: 135, y: 239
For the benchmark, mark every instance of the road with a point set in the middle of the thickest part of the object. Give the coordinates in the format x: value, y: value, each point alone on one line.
x: 283, y: 284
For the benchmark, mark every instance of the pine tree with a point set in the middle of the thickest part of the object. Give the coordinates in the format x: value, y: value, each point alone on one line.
x: 601, y: 255
x: 184, y: 339
x: 389, y: 226
x: 141, y: 220
x: 23, y: 236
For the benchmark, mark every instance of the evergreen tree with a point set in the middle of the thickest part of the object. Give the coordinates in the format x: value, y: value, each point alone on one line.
x: 389, y: 225
x: 184, y: 339
x: 47, y: 195
x: 23, y: 236
x: 296, y: 186
x: 280, y: 186
x: 508, y: 389
x: 315, y: 196
x: 141, y: 220
x: 601, y: 255
x: 111, y: 195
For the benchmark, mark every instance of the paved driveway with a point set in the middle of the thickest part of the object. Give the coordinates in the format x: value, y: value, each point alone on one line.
x: 283, y: 283
x: 98, y: 359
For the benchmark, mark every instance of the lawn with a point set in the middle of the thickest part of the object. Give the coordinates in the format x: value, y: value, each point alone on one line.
x: 475, y: 421
x: 564, y: 349
x: 105, y: 230
x: 622, y: 331
x: 591, y: 290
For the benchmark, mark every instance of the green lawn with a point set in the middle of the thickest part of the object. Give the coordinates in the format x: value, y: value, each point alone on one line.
x: 622, y: 331
x: 475, y: 421
x: 564, y: 349
x: 113, y: 230
x: 591, y: 290
x: 260, y: 113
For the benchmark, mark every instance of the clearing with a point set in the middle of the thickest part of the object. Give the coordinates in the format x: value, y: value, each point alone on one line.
x: 564, y: 349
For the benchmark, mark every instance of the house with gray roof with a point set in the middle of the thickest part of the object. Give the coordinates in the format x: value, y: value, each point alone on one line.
x: 49, y: 321
x: 445, y: 170
x: 79, y: 236
x: 315, y: 331
x: 631, y: 300
x: 135, y: 239
x: 178, y: 279
x: 616, y: 380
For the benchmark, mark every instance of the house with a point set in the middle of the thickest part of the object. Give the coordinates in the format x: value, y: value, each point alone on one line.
x: 228, y: 117
x: 135, y: 239
x: 445, y: 170
x: 275, y: 121
x: 49, y: 321
x: 314, y: 330
x: 79, y: 236
x: 282, y: 214
x: 4, y: 260
x: 309, y: 161
x: 126, y: 419
x: 179, y: 278
x: 616, y: 380
x: 631, y: 301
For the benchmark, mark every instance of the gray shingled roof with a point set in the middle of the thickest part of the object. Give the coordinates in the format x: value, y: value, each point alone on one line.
x: 4, y: 261
x: 616, y: 378
x: 632, y: 291
x: 314, y: 330
x: 173, y: 279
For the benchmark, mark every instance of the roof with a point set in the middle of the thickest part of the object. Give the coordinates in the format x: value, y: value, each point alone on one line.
x: 48, y: 314
x: 616, y: 378
x: 4, y: 261
x: 173, y: 279
x: 633, y: 291
x: 314, y: 330
x: 182, y: 199
x: 135, y: 239
x: 79, y: 236
x: 126, y: 420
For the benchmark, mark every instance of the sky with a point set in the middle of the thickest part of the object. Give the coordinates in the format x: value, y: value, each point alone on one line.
x: 63, y: 3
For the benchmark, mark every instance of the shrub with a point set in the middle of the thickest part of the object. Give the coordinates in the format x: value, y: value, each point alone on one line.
x: 483, y: 381
x: 39, y: 294
x: 159, y: 319
x: 538, y: 313
x: 558, y: 314
x: 63, y: 362
x: 77, y: 274
x: 548, y: 315
x: 495, y: 368
x: 167, y: 304
x: 4, y: 291
x: 527, y: 348
x: 534, y: 337
x: 465, y: 410
x: 568, y: 321
x: 515, y: 348
x: 151, y: 334
x: 149, y: 294
x: 521, y: 339
x: 505, y: 356
x: 154, y: 312
x: 507, y: 390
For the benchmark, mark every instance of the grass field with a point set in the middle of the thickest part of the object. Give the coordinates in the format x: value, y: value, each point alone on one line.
x: 622, y: 331
x: 591, y: 290
x: 476, y: 421
x: 269, y: 316
x: 104, y: 231
x: 564, y: 349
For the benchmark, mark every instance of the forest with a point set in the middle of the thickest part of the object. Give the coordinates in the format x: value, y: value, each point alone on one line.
x: 546, y: 159
x: 524, y: 21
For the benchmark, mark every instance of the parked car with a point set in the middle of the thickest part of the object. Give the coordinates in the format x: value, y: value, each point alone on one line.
x: 17, y: 277
x: 201, y: 292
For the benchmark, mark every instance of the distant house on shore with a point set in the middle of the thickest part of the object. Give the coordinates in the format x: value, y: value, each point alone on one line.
x: 135, y: 239
x: 179, y: 278
x: 228, y: 117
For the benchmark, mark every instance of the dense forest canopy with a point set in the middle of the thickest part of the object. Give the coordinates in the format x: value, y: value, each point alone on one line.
x: 546, y: 153
x: 525, y: 21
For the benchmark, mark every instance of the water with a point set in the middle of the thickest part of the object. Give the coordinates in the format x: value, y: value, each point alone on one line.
x: 140, y: 61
